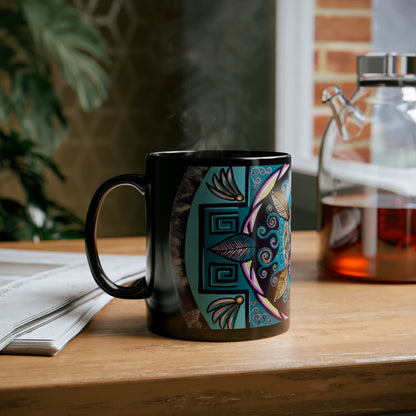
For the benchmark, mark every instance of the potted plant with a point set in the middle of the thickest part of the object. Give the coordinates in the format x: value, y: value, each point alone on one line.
x: 38, y: 38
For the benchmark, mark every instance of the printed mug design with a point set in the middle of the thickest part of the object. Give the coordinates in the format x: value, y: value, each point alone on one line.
x: 237, y: 248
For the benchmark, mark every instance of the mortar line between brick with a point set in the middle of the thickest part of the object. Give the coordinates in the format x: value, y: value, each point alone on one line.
x: 343, y: 45
x: 343, y: 12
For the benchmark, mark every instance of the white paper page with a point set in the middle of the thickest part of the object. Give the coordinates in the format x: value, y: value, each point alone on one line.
x: 50, y: 338
x: 52, y: 333
x: 59, y: 280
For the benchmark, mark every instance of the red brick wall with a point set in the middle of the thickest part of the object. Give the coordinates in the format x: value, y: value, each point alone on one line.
x: 342, y: 32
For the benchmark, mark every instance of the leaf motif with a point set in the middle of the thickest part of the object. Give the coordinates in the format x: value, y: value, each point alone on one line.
x: 281, y: 204
x: 282, y: 283
x: 239, y: 247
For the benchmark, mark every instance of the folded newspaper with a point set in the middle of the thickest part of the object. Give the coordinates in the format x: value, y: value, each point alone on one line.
x: 46, y: 298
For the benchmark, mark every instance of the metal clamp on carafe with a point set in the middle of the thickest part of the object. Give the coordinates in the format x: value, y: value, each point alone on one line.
x: 367, y: 174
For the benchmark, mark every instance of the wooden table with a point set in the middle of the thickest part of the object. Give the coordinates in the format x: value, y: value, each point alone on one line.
x: 351, y: 349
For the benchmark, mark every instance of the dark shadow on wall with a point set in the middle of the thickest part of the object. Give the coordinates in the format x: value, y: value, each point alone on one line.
x: 229, y: 74
x: 184, y: 74
x: 304, y: 202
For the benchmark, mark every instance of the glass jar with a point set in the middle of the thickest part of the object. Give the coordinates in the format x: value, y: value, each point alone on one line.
x: 367, y: 174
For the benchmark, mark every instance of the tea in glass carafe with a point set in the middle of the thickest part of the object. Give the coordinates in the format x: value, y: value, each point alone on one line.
x: 367, y: 174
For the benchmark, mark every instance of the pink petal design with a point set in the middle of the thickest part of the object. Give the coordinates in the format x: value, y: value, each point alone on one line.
x: 250, y: 220
x: 283, y: 171
x: 268, y: 305
x: 219, y: 312
x: 266, y: 188
x: 225, y: 187
x: 246, y: 269
x: 225, y: 311
x: 255, y: 282
x: 220, y: 194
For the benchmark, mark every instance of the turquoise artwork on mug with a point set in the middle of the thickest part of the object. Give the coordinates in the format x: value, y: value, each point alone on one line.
x: 237, y: 248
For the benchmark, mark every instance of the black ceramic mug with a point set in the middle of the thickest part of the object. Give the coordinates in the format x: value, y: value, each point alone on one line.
x: 218, y: 243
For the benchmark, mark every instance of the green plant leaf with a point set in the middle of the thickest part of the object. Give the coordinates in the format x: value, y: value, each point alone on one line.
x: 11, y: 21
x: 28, y: 165
x: 61, y: 32
x: 6, y: 54
x: 17, y: 37
x: 38, y: 108
x: 40, y: 217
x: 34, y: 33
x: 4, y: 107
x: 14, y: 222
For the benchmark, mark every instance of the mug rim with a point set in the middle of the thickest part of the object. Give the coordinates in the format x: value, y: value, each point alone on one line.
x: 223, y: 155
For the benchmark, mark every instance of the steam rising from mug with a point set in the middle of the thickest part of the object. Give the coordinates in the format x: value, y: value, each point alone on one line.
x: 228, y: 87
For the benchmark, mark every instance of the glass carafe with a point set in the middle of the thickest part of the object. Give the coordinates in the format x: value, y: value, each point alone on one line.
x: 367, y: 174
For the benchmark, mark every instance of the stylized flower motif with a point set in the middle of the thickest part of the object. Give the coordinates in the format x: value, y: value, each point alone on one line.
x: 238, y: 247
x: 225, y: 187
x: 225, y: 311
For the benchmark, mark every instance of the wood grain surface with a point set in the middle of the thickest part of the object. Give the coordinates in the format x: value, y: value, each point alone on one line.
x: 351, y: 349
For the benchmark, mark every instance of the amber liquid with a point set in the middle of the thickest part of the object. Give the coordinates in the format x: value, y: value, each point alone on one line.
x: 369, y: 238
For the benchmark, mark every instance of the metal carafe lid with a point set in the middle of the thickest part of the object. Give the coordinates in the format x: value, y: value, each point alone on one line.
x: 389, y: 67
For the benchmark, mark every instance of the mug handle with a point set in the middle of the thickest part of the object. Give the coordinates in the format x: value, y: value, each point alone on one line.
x: 140, y: 289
